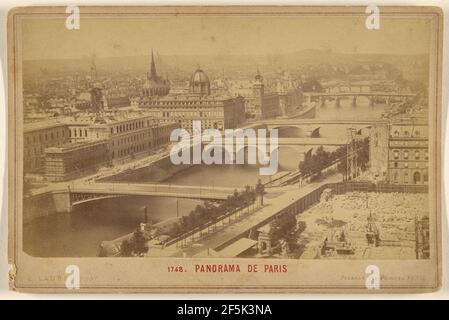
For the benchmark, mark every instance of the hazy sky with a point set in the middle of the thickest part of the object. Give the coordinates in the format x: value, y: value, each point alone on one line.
x: 48, y: 38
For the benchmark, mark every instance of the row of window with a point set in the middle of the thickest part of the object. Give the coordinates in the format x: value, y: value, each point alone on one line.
x: 130, y: 139
x: 406, y: 154
x: 416, y: 178
x: 39, y: 150
x: 161, y: 141
x: 139, y: 148
x: 406, y: 165
x: 128, y: 126
x: 164, y: 131
x: 77, y: 133
x: 155, y: 91
x: 48, y: 136
x: 200, y: 114
x: 32, y: 164
x: 204, y: 125
x: 129, y: 151
x: 407, y: 133
x: 183, y: 103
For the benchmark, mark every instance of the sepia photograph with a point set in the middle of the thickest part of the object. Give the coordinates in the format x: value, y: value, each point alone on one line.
x: 257, y: 144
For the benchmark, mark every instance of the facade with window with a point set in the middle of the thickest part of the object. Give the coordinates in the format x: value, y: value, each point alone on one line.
x: 214, y: 112
x: 408, y: 151
x: 129, y: 135
x: 79, y: 132
x: 37, y: 137
x: 399, y: 150
x: 48, y: 146
x: 74, y: 160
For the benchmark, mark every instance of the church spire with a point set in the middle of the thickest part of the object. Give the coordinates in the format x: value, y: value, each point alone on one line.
x: 153, y: 66
x: 258, y: 76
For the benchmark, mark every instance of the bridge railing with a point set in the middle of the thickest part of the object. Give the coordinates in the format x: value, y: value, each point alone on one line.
x: 157, y: 188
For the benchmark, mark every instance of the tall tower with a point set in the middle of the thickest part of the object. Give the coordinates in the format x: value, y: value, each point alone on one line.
x: 93, y: 69
x: 258, y: 93
x: 155, y: 86
x: 153, y: 73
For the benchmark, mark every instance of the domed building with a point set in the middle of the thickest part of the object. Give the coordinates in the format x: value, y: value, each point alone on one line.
x: 214, y: 111
x: 199, y: 83
x: 155, y: 86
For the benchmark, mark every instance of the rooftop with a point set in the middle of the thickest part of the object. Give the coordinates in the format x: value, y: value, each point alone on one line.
x: 74, y: 146
x: 189, y: 97
x: 41, y: 125
x: 108, y: 117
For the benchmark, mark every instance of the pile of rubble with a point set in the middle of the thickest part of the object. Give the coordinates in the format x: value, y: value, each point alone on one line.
x: 393, y: 213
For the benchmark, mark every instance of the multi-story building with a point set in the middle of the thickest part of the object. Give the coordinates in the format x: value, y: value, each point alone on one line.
x: 280, y: 97
x: 37, y: 137
x: 408, y: 158
x: 215, y: 112
x: 284, y: 100
x: 290, y: 101
x: 72, y: 160
x: 111, y: 101
x: 49, y: 145
x: 128, y: 137
x: 99, y: 142
x: 265, y: 105
x: 127, y: 133
x: 399, y: 150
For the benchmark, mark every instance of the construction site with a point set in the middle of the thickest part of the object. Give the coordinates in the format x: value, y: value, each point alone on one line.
x: 366, y: 225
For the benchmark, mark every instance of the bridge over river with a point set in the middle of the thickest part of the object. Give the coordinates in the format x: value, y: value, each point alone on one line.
x: 67, y: 195
x: 299, y: 122
x: 88, y: 192
x: 372, y: 97
x: 312, y: 142
x: 313, y: 125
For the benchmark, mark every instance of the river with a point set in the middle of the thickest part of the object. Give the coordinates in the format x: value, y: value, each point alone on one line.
x: 79, y: 233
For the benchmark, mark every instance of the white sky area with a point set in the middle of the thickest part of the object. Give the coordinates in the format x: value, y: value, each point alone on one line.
x: 45, y: 38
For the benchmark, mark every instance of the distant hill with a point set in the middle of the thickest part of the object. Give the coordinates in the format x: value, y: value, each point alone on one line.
x: 181, y: 66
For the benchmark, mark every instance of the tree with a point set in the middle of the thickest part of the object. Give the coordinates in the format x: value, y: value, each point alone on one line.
x: 208, y: 211
x: 139, y: 243
x: 126, y: 249
x: 312, y: 165
x: 363, y: 153
x: 342, y: 167
x: 260, y: 190
x: 282, y: 227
